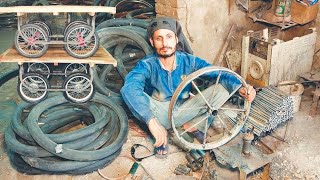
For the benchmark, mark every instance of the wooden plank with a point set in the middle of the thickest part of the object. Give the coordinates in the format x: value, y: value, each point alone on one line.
x: 57, y: 54
x: 56, y: 9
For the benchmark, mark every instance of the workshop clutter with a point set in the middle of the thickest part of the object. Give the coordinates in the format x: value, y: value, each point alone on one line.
x: 46, y: 138
x: 126, y: 40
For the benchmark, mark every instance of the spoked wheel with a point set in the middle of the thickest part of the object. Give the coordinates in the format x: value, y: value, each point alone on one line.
x: 78, y: 87
x: 71, y: 24
x: 34, y: 45
x: 40, y: 68
x: 33, y: 87
x: 208, y: 109
x: 76, y: 43
x: 43, y: 25
x: 75, y: 68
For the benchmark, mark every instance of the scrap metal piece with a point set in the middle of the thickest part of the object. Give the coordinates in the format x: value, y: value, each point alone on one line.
x: 182, y: 170
x: 245, y: 163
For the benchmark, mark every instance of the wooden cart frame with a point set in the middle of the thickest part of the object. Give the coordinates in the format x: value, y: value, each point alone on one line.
x: 79, y: 38
x: 35, y: 83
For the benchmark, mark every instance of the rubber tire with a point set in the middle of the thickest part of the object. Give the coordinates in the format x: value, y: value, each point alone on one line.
x: 33, y: 74
x: 87, y: 98
x: 92, y: 52
x: 45, y: 47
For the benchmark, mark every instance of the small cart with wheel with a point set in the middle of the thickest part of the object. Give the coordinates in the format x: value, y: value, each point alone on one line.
x: 34, y: 37
x: 77, y: 49
x: 35, y: 73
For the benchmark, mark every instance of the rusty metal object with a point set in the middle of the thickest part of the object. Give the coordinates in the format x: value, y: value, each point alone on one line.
x: 245, y: 163
x: 247, y: 139
x: 182, y: 170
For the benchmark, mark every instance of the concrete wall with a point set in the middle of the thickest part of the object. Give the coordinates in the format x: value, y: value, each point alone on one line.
x: 206, y: 24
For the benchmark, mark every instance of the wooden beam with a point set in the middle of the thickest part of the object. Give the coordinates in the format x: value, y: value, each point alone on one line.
x: 57, y: 9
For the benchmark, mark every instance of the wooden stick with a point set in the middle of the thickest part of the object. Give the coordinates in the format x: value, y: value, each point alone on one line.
x: 225, y: 46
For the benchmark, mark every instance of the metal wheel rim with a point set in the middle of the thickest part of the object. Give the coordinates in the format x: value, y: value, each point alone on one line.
x: 36, y: 33
x: 36, y: 82
x: 43, y: 25
x: 226, y: 136
x: 73, y: 23
x: 78, y: 82
x: 74, y: 68
x: 40, y: 68
x: 81, y: 49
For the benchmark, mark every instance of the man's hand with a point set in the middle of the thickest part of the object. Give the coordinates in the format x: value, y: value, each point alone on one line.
x: 159, y: 133
x: 248, y: 96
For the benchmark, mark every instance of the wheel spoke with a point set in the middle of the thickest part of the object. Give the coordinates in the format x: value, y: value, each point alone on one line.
x: 205, y: 100
x: 224, y: 125
x: 192, y: 108
x: 191, y: 127
x: 233, y: 109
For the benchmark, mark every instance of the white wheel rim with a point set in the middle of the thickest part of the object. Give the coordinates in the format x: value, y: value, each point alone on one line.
x: 33, y: 82
x: 78, y: 82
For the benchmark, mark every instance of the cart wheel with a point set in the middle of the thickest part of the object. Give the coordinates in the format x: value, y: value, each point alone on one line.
x: 76, y: 44
x: 208, y: 109
x: 75, y: 68
x: 34, y: 87
x: 71, y: 24
x: 43, y: 25
x: 78, y: 87
x: 29, y: 48
x: 40, y: 68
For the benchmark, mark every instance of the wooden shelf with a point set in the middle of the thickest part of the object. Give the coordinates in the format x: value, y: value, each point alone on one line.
x: 57, y: 54
x: 20, y: 10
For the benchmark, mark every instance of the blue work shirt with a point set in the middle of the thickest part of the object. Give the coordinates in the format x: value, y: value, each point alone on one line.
x: 149, y: 77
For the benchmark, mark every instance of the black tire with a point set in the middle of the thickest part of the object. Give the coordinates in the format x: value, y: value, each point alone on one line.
x: 71, y: 24
x: 19, y: 41
x: 43, y: 82
x: 78, y: 155
x: 40, y: 68
x: 84, y: 50
x: 8, y: 74
x: 43, y: 25
x: 77, y: 68
x: 72, y: 96
x: 122, y: 22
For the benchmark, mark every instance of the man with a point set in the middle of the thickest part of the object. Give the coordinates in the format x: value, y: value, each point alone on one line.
x: 150, y: 85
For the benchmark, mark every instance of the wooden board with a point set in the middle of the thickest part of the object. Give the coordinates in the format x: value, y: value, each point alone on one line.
x: 57, y: 54
x: 56, y: 9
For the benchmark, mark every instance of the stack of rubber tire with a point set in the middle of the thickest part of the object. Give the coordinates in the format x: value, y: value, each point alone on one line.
x: 126, y: 40
x: 10, y: 19
x: 58, y: 137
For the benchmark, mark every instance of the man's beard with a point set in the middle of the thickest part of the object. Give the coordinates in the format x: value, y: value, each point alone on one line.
x: 168, y: 55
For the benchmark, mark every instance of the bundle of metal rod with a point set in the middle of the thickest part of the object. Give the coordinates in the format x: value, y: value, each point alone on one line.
x: 270, y: 108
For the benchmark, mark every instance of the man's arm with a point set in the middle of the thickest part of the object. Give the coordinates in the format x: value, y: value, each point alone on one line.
x: 139, y: 104
x: 133, y: 92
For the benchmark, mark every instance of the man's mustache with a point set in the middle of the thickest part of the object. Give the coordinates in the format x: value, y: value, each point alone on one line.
x: 166, y: 47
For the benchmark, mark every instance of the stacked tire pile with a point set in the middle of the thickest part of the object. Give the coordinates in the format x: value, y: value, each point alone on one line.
x: 55, y: 136
x: 126, y: 40
x: 10, y: 20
